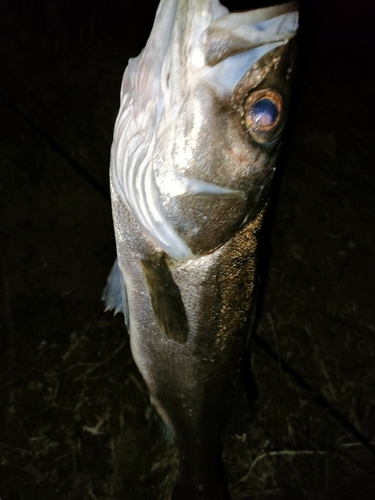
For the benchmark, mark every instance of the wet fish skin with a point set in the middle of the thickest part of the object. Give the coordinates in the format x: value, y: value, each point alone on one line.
x: 192, y: 163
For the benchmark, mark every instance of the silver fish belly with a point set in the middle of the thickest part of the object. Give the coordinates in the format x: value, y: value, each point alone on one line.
x: 195, y: 149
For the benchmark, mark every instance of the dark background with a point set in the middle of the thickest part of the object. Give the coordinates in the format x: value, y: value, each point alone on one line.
x: 74, y: 411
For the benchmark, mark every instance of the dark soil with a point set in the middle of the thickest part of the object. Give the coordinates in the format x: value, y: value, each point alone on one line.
x: 74, y: 411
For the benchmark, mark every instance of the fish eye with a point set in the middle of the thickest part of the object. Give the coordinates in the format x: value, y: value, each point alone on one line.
x: 265, y: 112
x: 262, y: 112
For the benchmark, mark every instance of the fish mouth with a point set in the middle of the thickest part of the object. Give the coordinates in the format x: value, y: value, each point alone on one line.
x: 195, y: 58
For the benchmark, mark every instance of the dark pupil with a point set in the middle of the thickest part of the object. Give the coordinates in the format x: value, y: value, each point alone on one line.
x: 265, y: 112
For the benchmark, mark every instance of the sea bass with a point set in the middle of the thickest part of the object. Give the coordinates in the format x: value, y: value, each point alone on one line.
x: 195, y: 148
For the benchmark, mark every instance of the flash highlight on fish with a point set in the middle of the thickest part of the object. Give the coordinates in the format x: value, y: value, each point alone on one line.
x: 195, y: 149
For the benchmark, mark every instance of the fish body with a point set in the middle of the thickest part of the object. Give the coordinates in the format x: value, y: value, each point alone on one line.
x: 195, y: 149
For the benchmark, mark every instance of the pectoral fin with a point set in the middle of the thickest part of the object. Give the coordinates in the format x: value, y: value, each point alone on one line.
x: 166, y: 299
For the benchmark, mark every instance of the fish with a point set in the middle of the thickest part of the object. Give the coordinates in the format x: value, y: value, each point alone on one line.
x: 195, y: 149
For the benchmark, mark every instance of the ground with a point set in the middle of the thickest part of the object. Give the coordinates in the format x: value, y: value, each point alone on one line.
x: 75, y: 413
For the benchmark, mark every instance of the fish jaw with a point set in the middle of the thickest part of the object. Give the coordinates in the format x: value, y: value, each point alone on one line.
x: 180, y: 137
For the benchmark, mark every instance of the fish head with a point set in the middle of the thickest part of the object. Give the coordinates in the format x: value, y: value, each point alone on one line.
x: 203, y: 108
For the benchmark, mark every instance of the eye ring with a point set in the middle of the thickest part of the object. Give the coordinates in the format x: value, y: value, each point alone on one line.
x: 262, y: 114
